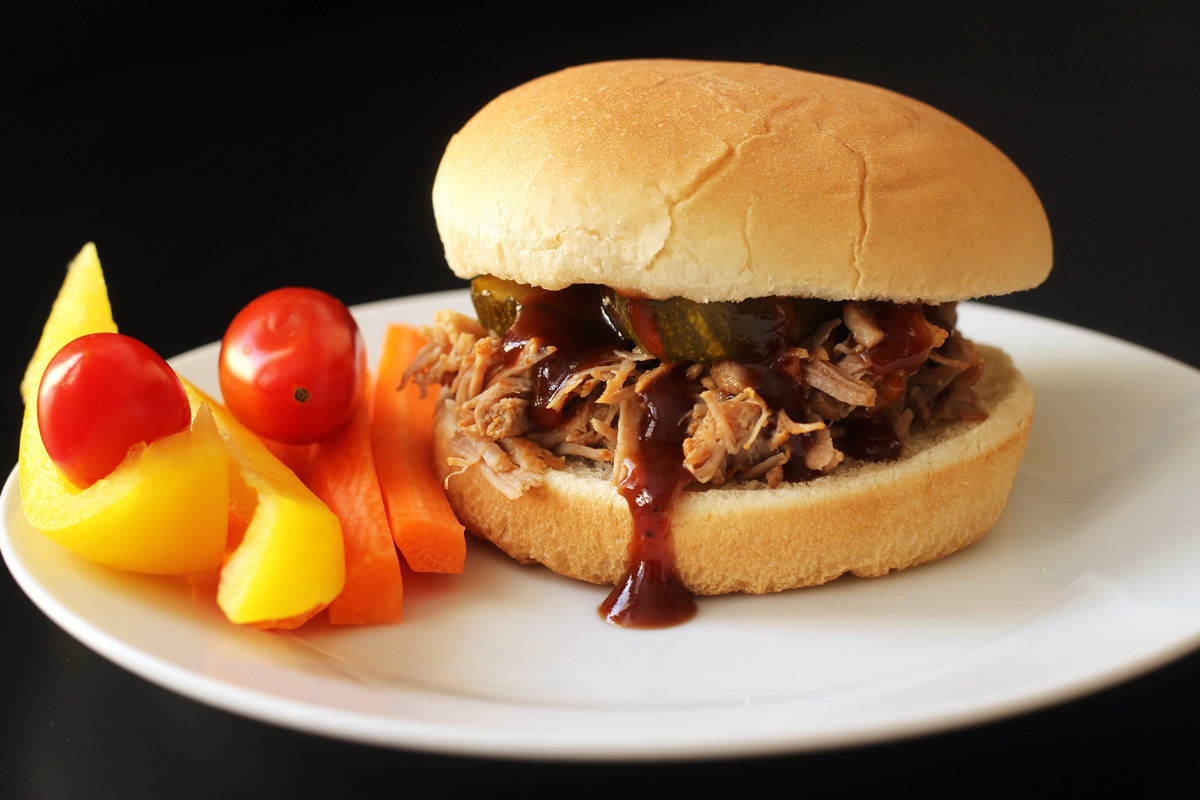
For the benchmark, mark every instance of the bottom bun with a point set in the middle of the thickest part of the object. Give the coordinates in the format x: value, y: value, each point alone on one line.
x: 866, y: 519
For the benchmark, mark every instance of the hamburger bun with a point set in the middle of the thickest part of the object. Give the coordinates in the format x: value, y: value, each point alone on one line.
x: 718, y: 181
x: 865, y: 519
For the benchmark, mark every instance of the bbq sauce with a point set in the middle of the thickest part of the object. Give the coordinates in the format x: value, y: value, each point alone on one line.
x: 908, y: 337
x: 574, y: 321
x: 869, y: 439
x: 650, y: 593
x: 795, y: 470
x: 779, y: 379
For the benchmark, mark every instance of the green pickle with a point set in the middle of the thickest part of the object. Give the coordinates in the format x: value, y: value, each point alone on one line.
x: 676, y: 329
x: 497, y: 301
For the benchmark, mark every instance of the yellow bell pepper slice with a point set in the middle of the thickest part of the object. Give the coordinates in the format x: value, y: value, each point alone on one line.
x: 163, y: 510
x: 291, y: 558
x: 81, y: 308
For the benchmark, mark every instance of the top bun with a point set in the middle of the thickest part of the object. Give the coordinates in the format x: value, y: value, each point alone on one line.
x: 720, y: 181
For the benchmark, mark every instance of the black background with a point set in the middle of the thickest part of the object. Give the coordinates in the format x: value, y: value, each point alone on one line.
x: 219, y: 151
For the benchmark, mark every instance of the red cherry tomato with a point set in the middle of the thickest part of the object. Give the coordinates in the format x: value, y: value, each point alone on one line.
x: 102, y: 394
x: 293, y: 365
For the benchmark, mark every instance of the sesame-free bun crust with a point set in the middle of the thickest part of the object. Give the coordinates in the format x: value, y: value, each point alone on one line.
x: 867, y: 519
x: 719, y: 181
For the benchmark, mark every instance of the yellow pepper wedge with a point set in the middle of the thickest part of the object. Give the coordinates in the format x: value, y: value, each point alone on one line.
x: 291, y: 559
x: 163, y: 510
x: 81, y: 308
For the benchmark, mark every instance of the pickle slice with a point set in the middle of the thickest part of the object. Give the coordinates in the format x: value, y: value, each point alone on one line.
x: 677, y: 329
x: 497, y: 301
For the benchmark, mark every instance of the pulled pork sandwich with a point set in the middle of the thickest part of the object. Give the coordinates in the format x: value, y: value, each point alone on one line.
x: 716, y: 347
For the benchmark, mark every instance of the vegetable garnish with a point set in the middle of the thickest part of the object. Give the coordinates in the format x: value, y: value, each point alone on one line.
x: 290, y: 558
x: 102, y: 394
x: 293, y: 365
x: 341, y: 472
x: 162, y: 510
x: 423, y: 525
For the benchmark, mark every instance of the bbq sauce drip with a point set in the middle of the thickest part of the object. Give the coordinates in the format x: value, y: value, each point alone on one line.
x: 650, y: 593
x: 575, y: 323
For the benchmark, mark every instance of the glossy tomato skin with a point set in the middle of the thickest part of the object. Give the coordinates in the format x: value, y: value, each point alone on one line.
x: 293, y: 365
x: 99, y: 396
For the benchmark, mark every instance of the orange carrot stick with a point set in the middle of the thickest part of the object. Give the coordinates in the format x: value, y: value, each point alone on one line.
x: 423, y: 524
x: 341, y: 471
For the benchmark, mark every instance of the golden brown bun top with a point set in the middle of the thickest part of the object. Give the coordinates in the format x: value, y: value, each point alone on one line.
x: 720, y: 181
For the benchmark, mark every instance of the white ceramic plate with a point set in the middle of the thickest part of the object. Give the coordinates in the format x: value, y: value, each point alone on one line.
x: 1087, y: 579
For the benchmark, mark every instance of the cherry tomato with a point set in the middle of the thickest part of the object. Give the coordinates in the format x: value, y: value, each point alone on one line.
x: 293, y: 365
x: 99, y: 396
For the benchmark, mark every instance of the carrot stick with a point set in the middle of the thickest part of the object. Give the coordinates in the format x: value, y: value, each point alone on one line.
x: 341, y: 471
x: 422, y: 522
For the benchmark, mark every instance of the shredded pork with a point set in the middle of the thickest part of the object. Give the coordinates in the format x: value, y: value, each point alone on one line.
x: 733, y: 433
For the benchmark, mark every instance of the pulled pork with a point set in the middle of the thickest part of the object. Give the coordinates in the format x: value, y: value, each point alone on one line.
x: 850, y: 374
